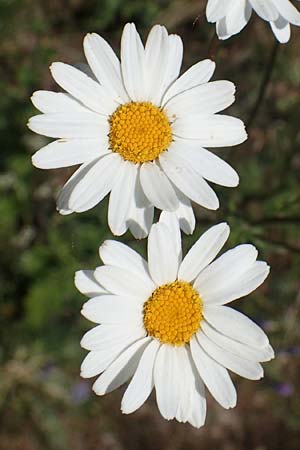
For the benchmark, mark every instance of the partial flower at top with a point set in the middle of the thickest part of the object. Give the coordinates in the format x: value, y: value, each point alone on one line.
x: 138, y: 130
x: 231, y: 16
x: 164, y: 323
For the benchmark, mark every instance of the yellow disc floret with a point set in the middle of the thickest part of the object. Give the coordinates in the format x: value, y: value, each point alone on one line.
x: 173, y: 313
x: 139, y: 132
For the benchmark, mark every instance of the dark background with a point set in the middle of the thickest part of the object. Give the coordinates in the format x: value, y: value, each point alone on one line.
x: 44, y: 405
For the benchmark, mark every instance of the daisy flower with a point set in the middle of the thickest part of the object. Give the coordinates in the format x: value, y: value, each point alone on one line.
x: 164, y: 323
x: 138, y: 131
x: 231, y: 16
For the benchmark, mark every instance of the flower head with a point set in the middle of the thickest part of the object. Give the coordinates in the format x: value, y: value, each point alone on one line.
x: 231, y: 16
x: 164, y: 323
x: 138, y: 130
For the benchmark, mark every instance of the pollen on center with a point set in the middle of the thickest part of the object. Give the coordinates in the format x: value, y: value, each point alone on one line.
x: 173, y: 313
x: 139, y: 132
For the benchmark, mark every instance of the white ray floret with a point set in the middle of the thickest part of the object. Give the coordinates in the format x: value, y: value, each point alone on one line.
x: 164, y: 324
x: 138, y: 130
x: 231, y: 16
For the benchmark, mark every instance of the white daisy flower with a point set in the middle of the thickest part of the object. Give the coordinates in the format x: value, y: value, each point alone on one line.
x: 138, y: 130
x: 231, y: 16
x: 164, y: 324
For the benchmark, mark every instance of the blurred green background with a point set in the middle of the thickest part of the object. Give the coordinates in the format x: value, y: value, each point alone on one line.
x: 43, y: 402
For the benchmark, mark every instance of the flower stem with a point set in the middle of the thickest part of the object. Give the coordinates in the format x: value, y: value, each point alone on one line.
x: 267, y: 75
x: 214, y: 47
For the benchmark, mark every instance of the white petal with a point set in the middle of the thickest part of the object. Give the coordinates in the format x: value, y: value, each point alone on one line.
x: 174, y: 62
x: 226, y: 268
x: 120, y: 198
x: 156, y: 58
x: 217, y: 9
x: 233, y: 287
x: 198, y: 412
x: 187, y: 180
x: 114, y: 253
x: 288, y: 11
x: 172, y: 222
x: 163, y: 54
x: 70, y: 125
x: 236, y: 325
x: 203, y: 251
x: 121, y: 369
x: 105, y: 65
x: 157, y: 187
x: 239, y: 349
x: 52, y: 102
x: 140, y: 216
x: 185, y: 213
x: 215, y: 131
x: 265, y: 9
x: 165, y: 379
x: 124, y: 282
x: 281, y: 29
x: 113, y: 309
x: 140, y: 221
x: 84, y: 88
x: 191, y: 395
x: 162, y: 256
x: 215, y: 376
x: 111, y: 338
x: 208, y: 165
x: 243, y: 367
x: 64, y: 195
x: 96, y: 183
x: 86, y: 283
x: 142, y: 382
x: 237, y: 18
x: 85, y: 68
x: 186, y: 386
x: 65, y: 153
x: 199, y: 73
x: 235, y: 21
x: 107, y: 348
x: 203, y: 100
x: 132, y: 62
x: 95, y: 362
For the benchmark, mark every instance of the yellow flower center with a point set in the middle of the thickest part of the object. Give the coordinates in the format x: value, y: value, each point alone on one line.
x: 139, y: 132
x: 173, y: 313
